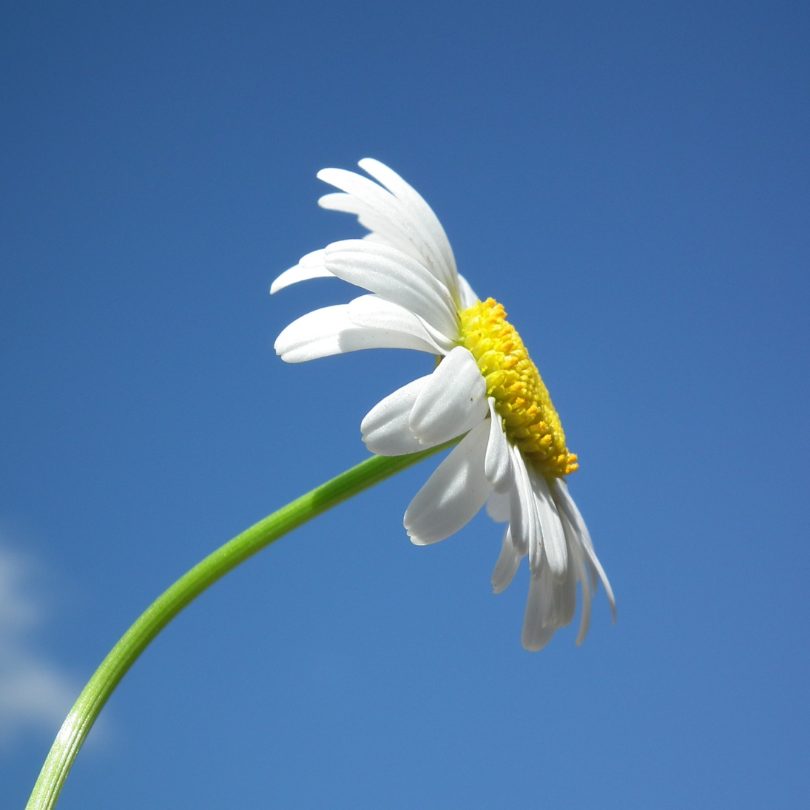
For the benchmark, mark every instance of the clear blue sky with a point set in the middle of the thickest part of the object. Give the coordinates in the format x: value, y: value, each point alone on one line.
x: 631, y: 180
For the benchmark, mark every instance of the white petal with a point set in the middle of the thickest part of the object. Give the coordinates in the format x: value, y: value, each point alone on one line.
x: 422, y: 215
x: 498, y: 506
x: 394, y: 276
x: 373, y: 312
x: 379, y: 209
x: 453, y: 494
x: 383, y: 230
x: 567, y: 592
x: 577, y: 564
x: 566, y: 503
x: 551, y: 528
x: 523, y: 520
x: 310, y: 266
x: 385, y: 428
x: 467, y: 295
x: 537, y: 628
x: 497, y: 466
x: 453, y: 401
x: 340, y: 201
x: 313, y: 335
x: 594, y: 561
x: 330, y: 330
x: 506, y: 566
x: 368, y: 200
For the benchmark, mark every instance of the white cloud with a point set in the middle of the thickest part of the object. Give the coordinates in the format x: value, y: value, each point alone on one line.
x: 34, y: 693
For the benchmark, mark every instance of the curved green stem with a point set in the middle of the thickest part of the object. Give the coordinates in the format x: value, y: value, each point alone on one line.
x: 123, y: 655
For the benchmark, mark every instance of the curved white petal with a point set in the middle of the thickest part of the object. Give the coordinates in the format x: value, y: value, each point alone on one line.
x: 553, y: 537
x: 313, y: 335
x: 453, y: 401
x: 467, y: 295
x: 385, y: 427
x: 396, y: 277
x: 566, y: 503
x: 499, y: 506
x: 567, y: 596
x: 366, y: 195
x: 497, y: 465
x: 506, y: 566
x: 578, y: 566
x: 381, y: 211
x: 453, y: 494
x: 537, y: 626
x: 523, y: 519
x: 373, y: 312
x: 342, y: 202
x: 330, y: 330
x: 594, y: 561
x: 382, y: 229
x: 309, y: 267
x: 421, y: 213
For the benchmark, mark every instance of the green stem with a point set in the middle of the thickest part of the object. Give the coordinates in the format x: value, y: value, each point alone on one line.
x: 123, y: 655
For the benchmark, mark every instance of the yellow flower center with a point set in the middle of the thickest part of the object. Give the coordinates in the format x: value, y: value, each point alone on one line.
x: 521, y: 398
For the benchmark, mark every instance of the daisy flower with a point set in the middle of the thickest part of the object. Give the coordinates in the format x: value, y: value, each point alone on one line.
x: 512, y: 456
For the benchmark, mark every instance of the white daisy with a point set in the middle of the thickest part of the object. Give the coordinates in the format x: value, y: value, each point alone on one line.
x: 485, y: 388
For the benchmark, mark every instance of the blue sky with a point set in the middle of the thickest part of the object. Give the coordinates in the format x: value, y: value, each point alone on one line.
x: 631, y: 180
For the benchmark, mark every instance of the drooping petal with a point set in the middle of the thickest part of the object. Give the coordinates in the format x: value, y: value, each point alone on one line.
x: 568, y: 506
x: 385, y: 427
x: 506, y: 566
x: 554, y: 546
x: 453, y: 401
x: 330, y: 330
x: 396, y: 277
x: 576, y: 555
x: 597, y: 566
x: 587, y: 598
x: 497, y: 465
x: 550, y: 605
x: 567, y: 596
x: 537, y: 625
x: 453, y: 494
x: 523, y: 519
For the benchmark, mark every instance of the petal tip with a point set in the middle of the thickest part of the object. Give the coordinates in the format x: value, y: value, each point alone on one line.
x: 414, y: 535
x: 415, y: 539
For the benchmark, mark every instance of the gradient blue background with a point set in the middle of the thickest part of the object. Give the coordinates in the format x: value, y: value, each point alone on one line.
x: 630, y: 179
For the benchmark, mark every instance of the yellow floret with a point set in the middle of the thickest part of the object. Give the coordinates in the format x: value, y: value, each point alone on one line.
x: 521, y: 398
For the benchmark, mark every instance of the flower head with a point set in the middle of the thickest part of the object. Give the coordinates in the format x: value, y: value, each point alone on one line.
x: 512, y: 455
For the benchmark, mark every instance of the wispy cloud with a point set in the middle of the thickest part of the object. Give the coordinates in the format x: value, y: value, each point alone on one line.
x: 34, y: 692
